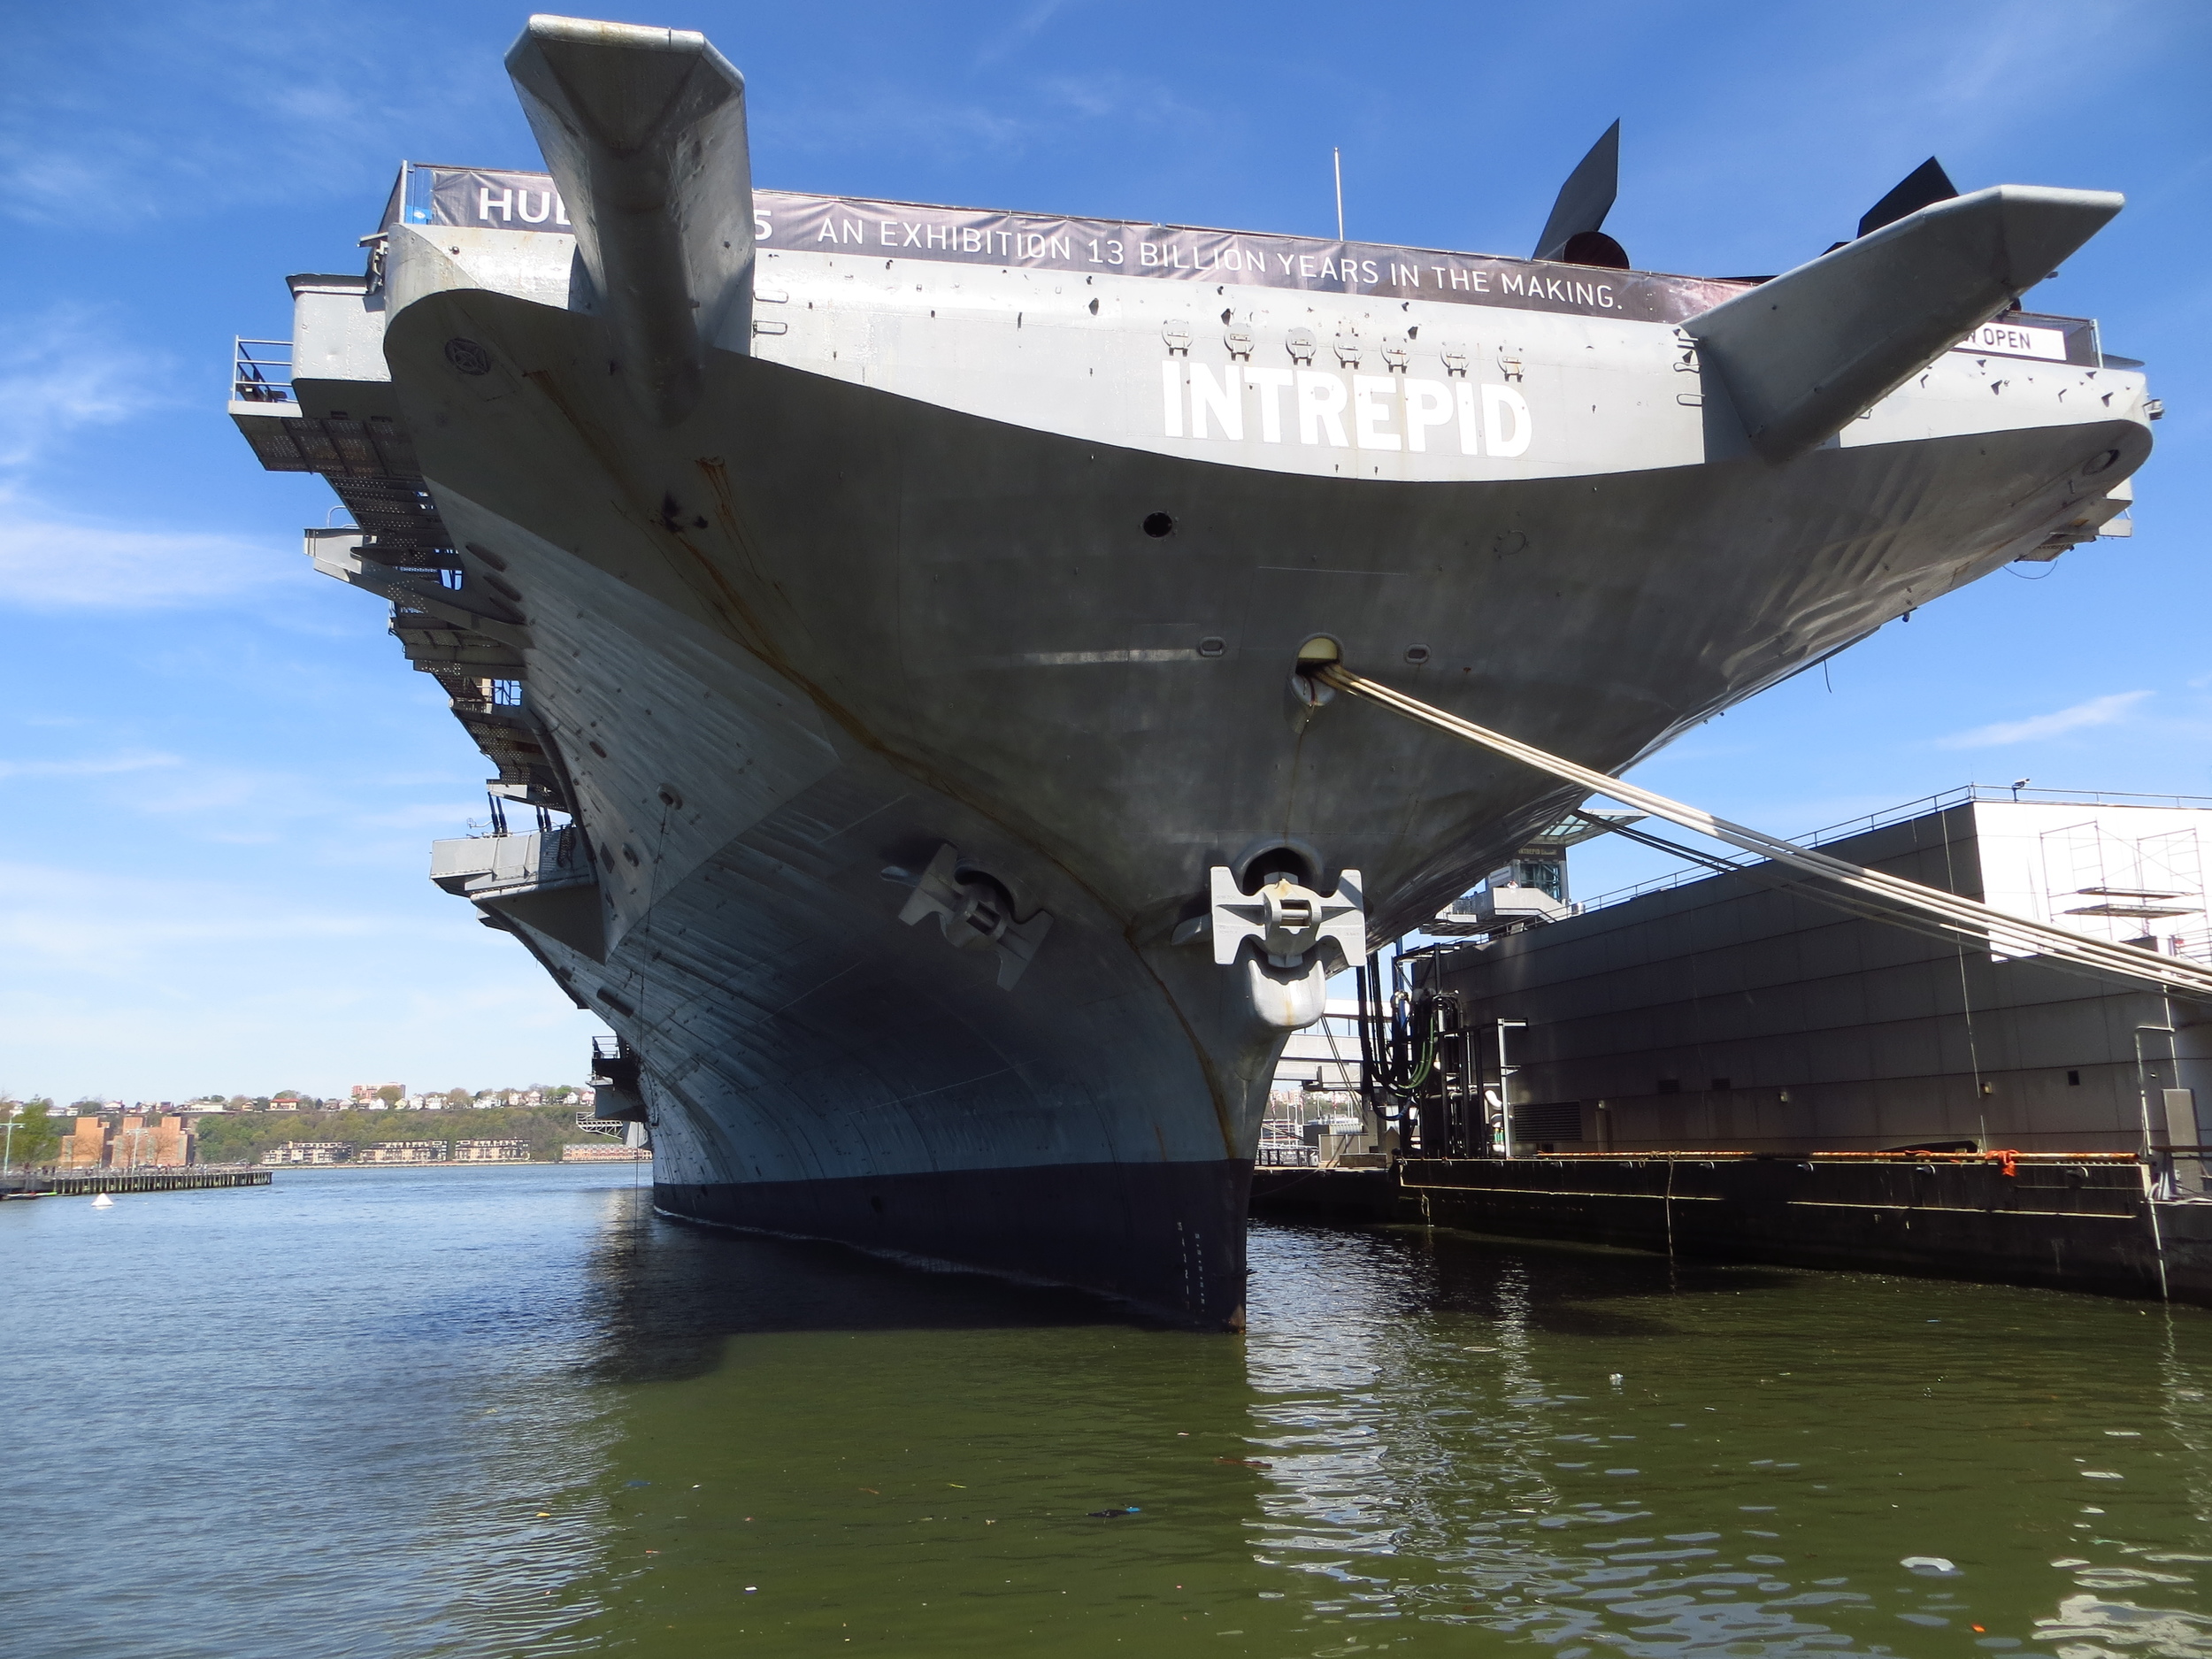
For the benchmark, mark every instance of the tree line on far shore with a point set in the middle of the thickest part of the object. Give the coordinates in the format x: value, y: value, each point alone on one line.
x: 37, y: 1137
x: 241, y: 1139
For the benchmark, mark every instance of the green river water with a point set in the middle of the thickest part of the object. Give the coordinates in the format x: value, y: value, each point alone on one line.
x: 510, y: 1412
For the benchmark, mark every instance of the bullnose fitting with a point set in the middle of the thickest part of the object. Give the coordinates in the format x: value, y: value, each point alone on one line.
x: 1320, y: 652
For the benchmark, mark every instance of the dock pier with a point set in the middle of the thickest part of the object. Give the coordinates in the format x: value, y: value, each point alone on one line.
x: 84, y: 1182
x: 2095, y: 1221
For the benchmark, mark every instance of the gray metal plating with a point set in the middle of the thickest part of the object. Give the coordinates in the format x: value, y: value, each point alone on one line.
x: 825, y: 561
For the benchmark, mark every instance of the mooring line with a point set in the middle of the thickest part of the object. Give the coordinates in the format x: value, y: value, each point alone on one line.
x: 1979, y: 922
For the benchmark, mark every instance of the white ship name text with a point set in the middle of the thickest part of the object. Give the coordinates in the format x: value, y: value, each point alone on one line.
x: 1339, y: 410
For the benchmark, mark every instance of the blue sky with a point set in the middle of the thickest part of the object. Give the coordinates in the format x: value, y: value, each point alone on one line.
x: 220, y: 777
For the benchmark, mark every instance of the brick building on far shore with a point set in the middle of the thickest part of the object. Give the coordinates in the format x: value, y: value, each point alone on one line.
x: 131, y: 1141
x: 491, y: 1151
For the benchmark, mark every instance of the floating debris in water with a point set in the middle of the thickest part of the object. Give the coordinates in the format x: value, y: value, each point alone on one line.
x: 1933, y: 1566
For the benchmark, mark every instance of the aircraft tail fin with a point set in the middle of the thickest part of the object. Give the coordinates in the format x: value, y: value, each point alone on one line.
x: 1803, y: 354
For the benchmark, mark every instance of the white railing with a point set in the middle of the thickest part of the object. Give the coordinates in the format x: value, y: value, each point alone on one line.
x: 260, y: 371
x: 1962, y: 795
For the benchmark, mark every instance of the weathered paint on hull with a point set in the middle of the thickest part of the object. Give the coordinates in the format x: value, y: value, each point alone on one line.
x: 818, y: 629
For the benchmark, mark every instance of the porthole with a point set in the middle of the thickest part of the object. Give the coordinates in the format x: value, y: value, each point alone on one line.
x: 1416, y: 655
x: 1158, y: 526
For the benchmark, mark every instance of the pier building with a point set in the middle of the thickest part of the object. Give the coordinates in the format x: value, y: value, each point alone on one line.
x: 1744, y: 1009
x: 483, y: 1151
x: 307, y: 1152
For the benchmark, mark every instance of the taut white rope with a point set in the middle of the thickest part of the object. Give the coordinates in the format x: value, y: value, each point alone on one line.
x: 2002, y: 931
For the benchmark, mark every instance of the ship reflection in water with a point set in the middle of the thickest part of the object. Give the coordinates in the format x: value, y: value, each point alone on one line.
x: 508, y: 1411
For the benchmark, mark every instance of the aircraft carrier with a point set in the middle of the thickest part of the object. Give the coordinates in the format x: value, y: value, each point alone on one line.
x: 901, y: 607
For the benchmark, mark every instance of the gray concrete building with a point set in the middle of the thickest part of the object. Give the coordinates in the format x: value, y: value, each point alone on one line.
x: 1742, y: 1011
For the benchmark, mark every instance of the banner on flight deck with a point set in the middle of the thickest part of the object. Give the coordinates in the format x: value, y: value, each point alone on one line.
x: 785, y: 220
x: 484, y: 199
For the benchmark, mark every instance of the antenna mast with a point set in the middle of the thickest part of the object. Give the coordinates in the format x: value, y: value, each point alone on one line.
x: 1337, y: 157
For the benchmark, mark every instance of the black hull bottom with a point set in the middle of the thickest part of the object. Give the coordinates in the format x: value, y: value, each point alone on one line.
x: 1168, y: 1238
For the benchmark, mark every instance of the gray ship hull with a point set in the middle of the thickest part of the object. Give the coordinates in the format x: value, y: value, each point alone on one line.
x: 903, y: 604
x: 819, y: 630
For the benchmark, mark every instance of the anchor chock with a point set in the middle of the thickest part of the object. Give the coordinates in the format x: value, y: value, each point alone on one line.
x: 1299, y: 939
x: 974, y: 910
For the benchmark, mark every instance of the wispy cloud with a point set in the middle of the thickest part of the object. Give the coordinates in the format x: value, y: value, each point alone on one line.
x: 2097, y: 711
x: 156, y: 986
x: 1960, y: 80
x: 1019, y: 33
x: 184, y: 109
x: 55, y: 565
x: 61, y: 370
x: 99, y: 920
x: 1049, y: 113
x: 91, y: 766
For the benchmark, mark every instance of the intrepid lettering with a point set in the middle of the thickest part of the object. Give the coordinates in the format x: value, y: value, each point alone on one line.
x: 1342, y: 409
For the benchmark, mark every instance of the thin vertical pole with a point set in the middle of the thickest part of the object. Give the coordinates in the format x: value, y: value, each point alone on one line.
x: 1505, y: 1098
x: 1369, y: 1096
x: 1337, y: 157
x: 1469, y: 1087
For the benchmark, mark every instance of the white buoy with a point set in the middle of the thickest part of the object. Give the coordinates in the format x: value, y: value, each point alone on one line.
x: 103, y: 1201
